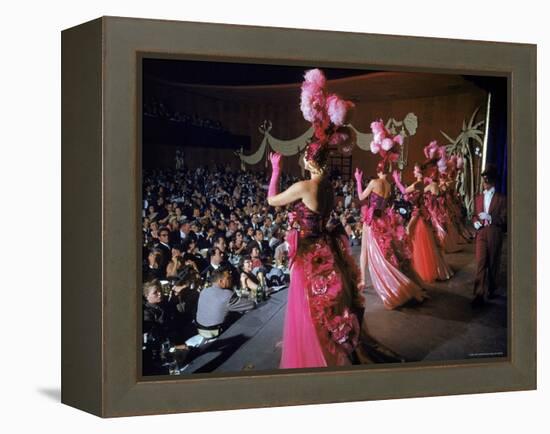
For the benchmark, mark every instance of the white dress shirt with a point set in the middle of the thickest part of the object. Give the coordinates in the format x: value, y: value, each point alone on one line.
x: 487, y: 197
x: 484, y: 216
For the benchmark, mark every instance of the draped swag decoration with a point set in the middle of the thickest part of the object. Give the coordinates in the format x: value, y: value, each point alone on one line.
x: 407, y: 127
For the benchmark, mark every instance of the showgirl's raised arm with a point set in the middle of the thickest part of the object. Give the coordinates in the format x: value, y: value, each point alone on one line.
x: 291, y: 194
x: 363, y: 194
x: 397, y: 179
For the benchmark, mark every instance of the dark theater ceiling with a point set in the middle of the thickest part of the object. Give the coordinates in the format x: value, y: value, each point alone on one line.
x: 239, y: 81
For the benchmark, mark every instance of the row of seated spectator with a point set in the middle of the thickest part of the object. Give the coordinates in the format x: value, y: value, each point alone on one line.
x: 198, y: 222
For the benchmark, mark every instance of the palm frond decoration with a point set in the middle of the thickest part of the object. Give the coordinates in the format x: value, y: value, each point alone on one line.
x: 468, y: 145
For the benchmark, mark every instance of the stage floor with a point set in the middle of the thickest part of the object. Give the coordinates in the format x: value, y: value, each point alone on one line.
x: 442, y: 328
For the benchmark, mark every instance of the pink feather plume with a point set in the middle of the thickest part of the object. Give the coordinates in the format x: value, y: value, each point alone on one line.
x: 339, y: 110
x: 315, y: 77
x: 387, y: 144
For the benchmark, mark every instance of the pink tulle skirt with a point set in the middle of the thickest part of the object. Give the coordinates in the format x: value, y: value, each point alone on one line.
x: 427, y: 260
x: 301, y: 346
x: 393, y: 287
x: 324, y: 308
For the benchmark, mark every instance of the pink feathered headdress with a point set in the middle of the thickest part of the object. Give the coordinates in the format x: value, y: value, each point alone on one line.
x: 339, y: 110
x: 436, y: 158
x: 384, y: 143
x: 313, y: 98
x: 328, y: 114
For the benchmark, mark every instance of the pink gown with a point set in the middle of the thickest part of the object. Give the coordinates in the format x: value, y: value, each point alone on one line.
x: 426, y: 259
x: 393, y: 286
x: 324, y: 309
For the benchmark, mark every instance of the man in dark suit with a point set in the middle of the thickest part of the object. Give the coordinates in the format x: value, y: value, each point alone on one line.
x: 258, y: 241
x: 164, y: 246
x: 255, y: 222
x: 490, y: 222
x: 185, y: 233
x: 216, y: 259
x: 196, y: 228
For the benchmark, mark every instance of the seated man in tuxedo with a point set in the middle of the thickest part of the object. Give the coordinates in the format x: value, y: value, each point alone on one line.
x: 221, y: 243
x: 209, y: 238
x: 490, y: 222
x: 216, y: 259
x: 267, y: 228
x: 196, y: 228
x: 217, y: 301
x: 185, y: 233
x: 258, y: 241
x: 164, y: 246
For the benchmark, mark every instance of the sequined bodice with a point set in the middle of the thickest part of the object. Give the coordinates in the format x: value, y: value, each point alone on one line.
x: 311, y: 223
x: 376, y: 201
x: 375, y: 205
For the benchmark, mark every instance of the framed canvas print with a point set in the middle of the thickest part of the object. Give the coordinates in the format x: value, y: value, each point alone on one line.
x: 260, y: 217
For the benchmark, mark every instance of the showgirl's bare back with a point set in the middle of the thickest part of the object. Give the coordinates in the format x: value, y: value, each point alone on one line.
x: 318, y: 195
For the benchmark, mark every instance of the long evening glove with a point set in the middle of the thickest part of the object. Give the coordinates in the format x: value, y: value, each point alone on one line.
x: 275, y: 159
x: 397, y: 178
x: 358, y: 181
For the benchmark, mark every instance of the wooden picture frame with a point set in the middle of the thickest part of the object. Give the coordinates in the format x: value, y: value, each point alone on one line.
x: 101, y: 191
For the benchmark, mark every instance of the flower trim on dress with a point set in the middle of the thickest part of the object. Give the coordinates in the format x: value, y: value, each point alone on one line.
x: 325, y: 289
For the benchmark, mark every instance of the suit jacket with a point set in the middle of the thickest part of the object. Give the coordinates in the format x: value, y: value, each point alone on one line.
x: 264, y: 248
x: 205, y: 243
x: 190, y: 236
x: 497, y: 210
x: 174, y: 238
x: 166, y: 254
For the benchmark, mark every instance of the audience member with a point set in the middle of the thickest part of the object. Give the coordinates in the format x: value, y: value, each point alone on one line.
x: 164, y: 246
x: 215, y: 303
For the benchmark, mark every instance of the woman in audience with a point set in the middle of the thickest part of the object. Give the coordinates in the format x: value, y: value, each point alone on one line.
x: 237, y: 245
x: 250, y: 282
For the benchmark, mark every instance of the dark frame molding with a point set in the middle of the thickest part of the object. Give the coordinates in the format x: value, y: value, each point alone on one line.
x: 101, y: 172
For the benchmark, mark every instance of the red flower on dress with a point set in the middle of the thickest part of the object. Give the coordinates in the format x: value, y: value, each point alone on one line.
x: 326, y: 284
x: 319, y: 260
x: 344, y: 329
